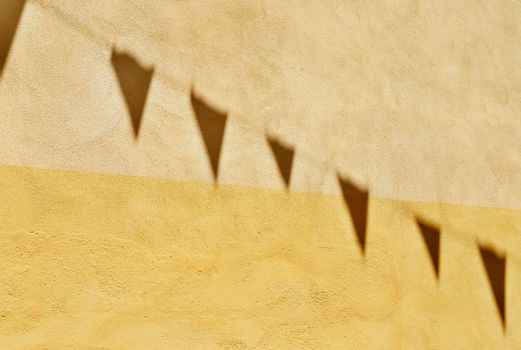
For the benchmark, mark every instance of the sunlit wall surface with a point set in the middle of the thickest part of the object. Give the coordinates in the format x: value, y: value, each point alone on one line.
x: 260, y: 174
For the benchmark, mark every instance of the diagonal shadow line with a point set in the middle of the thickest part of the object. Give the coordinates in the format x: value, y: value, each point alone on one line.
x: 356, y: 200
x: 134, y: 81
x: 495, y: 266
x: 10, y: 14
x: 284, y: 157
x: 212, y: 125
x: 431, y: 238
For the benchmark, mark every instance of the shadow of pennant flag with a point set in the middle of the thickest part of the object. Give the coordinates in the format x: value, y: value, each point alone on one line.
x: 212, y: 124
x: 10, y: 13
x: 134, y: 81
x: 356, y: 200
x: 495, y: 268
x: 431, y: 237
x: 284, y: 157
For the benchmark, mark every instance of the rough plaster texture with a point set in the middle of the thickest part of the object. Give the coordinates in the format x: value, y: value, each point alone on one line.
x: 95, y: 261
x: 416, y: 100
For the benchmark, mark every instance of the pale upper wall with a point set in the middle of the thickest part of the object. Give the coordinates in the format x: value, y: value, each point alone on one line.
x: 417, y: 99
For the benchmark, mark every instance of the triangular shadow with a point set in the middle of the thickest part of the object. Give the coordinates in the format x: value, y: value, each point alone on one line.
x: 134, y: 81
x: 495, y: 268
x: 212, y: 125
x: 356, y: 200
x: 284, y: 157
x: 431, y: 237
x: 10, y: 13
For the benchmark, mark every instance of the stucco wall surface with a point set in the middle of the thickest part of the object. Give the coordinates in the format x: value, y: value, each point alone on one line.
x: 417, y: 100
x: 95, y: 261
x: 155, y: 233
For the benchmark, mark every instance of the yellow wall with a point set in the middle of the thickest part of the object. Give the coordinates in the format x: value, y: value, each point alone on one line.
x: 94, y: 261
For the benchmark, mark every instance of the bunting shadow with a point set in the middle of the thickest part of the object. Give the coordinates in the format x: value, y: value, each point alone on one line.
x: 356, y: 200
x: 431, y: 237
x: 212, y: 125
x: 495, y: 268
x: 134, y: 81
x: 10, y: 13
x: 284, y: 157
